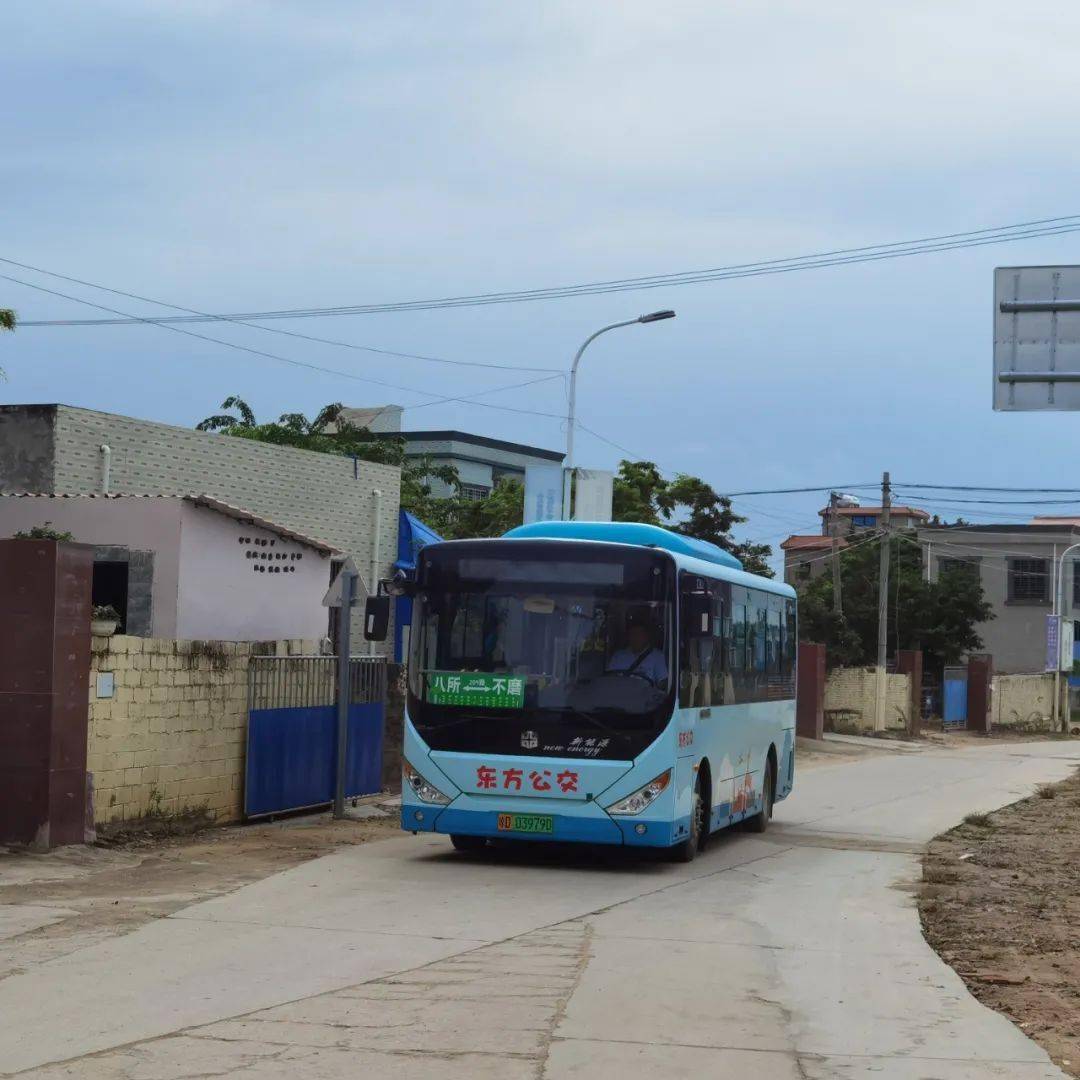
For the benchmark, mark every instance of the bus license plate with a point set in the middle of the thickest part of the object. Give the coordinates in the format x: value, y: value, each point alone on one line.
x: 526, y: 823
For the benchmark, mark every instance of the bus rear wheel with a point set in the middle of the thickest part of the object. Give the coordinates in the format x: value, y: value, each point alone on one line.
x: 688, y: 850
x: 468, y: 843
x: 760, y: 821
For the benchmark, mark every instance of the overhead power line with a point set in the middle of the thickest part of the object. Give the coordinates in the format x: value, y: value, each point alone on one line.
x: 993, y: 490
x: 999, y: 234
x: 202, y: 316
x: 1005, y: 502
x: 318, y: 367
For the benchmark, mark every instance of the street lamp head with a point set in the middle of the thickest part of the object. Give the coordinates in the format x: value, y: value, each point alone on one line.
x: 656, y: 316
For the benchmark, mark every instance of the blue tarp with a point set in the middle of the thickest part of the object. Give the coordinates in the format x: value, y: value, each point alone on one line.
x: 413, y: 537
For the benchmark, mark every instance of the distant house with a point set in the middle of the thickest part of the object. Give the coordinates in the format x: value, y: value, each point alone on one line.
x: 846, y: 520
x: 1018, y: 567
x: 806, y: 556
x: 189, y: 567
x: 480, y: 462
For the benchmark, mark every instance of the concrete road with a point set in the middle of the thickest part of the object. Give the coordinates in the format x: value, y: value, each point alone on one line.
x: 797, y: 954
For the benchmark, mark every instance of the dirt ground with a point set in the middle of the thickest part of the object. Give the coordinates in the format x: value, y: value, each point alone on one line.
x: 54, y: 903
x: 1000, y: 902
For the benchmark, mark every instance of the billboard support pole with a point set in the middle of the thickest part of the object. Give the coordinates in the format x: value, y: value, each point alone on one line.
x: 1061, y: 716
x: 348, y: 591
x: 883, y: 606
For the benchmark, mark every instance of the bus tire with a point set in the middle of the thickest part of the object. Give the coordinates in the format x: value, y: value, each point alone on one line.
x: 687, y: 850
x: 468, y: 843
x: 760, y: 821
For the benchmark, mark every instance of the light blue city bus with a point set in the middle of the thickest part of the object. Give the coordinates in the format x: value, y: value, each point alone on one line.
x: 606, y: 683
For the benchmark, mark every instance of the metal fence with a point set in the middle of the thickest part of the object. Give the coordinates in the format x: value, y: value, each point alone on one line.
x: 300, y: 682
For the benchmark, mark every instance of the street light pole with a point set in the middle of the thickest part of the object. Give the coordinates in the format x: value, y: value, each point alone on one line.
x: 1059, y: 610
x: 571, y: 421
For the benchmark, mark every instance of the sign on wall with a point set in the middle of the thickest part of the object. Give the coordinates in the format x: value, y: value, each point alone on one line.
x: 593, y: 490
x: 543, y: 493
x: 1058, y: 650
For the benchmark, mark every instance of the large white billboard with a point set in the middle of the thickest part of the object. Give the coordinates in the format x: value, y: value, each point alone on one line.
x: 1036, y: 338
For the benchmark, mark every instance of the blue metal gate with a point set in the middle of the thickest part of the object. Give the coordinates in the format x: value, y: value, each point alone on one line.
x: 292, y: 734
x: 954, y: 698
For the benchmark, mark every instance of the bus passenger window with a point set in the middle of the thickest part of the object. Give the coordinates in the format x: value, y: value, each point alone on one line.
x: 774, y: 642
x: 761, y: 632
x: 737, y: 638
x: 790, y: 637
x: 719, y: 650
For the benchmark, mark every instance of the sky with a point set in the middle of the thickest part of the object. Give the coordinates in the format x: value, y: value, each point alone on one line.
x: 231, y: 156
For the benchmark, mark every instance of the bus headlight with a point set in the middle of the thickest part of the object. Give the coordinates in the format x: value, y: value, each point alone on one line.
x: 643, y: 797
x: 421, y: 788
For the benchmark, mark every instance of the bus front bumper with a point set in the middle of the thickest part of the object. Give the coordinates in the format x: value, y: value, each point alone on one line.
x: 589, y: 824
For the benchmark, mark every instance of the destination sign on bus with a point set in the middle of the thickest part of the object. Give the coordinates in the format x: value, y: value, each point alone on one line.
x: 476, y: 689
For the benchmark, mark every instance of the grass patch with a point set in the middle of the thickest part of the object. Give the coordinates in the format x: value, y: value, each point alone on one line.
x: 982, y: 821
x: 1047, y: 791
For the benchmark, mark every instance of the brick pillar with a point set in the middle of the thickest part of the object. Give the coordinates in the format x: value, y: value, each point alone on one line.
x: 910, y: 662
x: 44, y: 703
x: 810, y: 692
x: 980, y: 672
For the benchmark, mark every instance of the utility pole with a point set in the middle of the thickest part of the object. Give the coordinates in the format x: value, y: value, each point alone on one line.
x: 883, y: 604
x: 837, y: 599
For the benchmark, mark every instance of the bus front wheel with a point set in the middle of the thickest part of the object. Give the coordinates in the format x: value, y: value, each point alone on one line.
x: 687, y: 850
x: 468, y: 843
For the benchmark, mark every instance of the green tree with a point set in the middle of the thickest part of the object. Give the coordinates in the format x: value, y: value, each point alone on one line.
x: 940, y: 617
x: 459, y: 517
x: 7, y: 322
x: 330, y: 433
x: 687, y: 505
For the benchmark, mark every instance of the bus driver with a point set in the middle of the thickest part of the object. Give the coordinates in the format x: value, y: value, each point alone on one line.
x: 640, y: 656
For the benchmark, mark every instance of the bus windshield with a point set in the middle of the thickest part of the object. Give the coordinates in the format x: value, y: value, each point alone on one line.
x: 527, y: 646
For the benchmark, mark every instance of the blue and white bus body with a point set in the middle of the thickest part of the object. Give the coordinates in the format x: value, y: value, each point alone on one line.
x: 727, y: 748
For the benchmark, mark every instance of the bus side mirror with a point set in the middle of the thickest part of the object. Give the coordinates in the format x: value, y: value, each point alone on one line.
x: 698, y: 614
x: 376, y: 618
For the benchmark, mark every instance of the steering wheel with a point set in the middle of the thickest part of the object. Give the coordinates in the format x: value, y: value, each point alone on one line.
x: 632, y: 675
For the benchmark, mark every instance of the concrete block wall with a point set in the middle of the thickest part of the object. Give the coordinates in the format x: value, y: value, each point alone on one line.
x: 851, y: 696
x: 173, y: 734
x: 1023, y: 702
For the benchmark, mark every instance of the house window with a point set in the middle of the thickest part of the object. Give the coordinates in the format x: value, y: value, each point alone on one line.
x: 1029, y: 581
x: 1076, y: 586
x: 866, y: 521
x: 475, y: 492
x: 109, y: 587
x: 802, y: 571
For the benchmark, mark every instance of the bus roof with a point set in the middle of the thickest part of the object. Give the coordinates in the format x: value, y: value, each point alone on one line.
x: 626, y: 532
